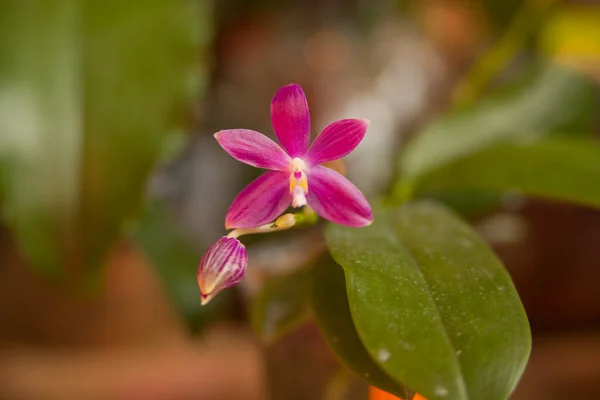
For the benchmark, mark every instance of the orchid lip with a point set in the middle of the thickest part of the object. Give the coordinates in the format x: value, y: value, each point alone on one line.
x: 298, y: 197
x: 298, y: 182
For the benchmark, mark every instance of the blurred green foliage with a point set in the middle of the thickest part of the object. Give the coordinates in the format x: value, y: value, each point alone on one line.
x: 469, y: 157
x: 281, y: 305
x: 88, y: 92
x: 549, y: 99
x: 175, y: 258
x: 502, y: 13
x: 556, y: 169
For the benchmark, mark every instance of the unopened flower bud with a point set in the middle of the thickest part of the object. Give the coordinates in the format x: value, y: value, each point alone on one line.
x: 223, y: 265
x: 285, y: 221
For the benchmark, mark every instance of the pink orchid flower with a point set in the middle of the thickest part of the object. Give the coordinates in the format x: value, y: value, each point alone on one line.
x: 295, y: 174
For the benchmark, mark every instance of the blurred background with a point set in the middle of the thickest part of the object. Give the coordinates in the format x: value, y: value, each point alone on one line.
x: 112, y: 186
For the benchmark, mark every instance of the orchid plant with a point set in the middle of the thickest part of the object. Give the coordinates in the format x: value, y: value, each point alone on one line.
x: 390, y: 322
x: 296, y: 176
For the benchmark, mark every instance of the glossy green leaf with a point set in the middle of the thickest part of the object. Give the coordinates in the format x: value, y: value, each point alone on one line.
x: 281, y: 305
x: 330, y: 305
x: 432, y: 304
x: 554, y: 99
x: 88, y: 90
x: 559, y: 169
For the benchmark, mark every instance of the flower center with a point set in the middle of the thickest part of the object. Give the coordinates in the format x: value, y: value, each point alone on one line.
x: 298, y: 182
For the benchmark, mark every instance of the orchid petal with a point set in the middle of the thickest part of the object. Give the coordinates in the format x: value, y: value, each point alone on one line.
x: 291, y: 119
x: 336, y: 140
x: 336, y: 199
x: 253, y: 148
x: 263, y: 200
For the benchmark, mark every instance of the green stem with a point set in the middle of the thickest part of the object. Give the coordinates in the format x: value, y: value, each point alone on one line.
x: 524, y: 24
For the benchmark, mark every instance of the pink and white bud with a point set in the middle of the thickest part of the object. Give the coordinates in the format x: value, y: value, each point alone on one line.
x: 223, y: 265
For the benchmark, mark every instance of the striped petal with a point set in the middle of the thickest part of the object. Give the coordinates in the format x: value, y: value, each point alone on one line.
x: 337, y: 140
x: 263, y: 200
x: 291, y: 119
x: 223, y: 265
x: 253, y: 148
x: 336, y: 199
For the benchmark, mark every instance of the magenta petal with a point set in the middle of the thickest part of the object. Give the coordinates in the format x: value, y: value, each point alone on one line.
x: 263, y: 200
x: 337, y: 140
x: 291, y: 120
x: 253, y: 148
x: 336, y: 199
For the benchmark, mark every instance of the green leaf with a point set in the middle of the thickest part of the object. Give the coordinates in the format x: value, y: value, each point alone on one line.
x: 281, y: 305
x: 432, y: 304
x: 176, y: 260
x: 559, y: 169
x: 332, y: 312
x: 556, y: 99
x: 466, y: 202
x: 88, y: 90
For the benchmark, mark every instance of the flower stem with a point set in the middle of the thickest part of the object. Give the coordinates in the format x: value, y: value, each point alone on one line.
x: 286, y: 221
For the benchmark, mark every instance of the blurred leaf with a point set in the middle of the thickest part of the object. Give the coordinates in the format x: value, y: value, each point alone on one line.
x: 556, y: 100
x: 561, y: 169
x: 175, y: 260
x: 432, y: 304
x: 173, y: 145
x: 466, y: 202
x: 330, y: 305
x: 514, y: 39
x: 88, y: 90
x: 281, y: 305
x: 573, y: 33
x: 504, y: 11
